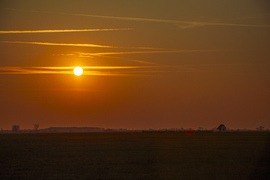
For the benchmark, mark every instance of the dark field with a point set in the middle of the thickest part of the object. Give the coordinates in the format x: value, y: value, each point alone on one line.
x: 230, y: 155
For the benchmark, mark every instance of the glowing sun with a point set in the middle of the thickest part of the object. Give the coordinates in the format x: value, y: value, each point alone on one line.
x: 78, y: 71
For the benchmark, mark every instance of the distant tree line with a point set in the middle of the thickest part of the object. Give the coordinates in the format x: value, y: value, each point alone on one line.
x: 221, y: 128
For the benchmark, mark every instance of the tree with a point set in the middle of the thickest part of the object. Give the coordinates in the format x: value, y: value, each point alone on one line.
x: 15, y: 128
x: 221, y: 128
x: 200, y: 129
x: 36, y: 126
x: 261, y: 128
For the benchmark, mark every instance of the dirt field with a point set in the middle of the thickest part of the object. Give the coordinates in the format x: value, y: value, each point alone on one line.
x: 170, y: 155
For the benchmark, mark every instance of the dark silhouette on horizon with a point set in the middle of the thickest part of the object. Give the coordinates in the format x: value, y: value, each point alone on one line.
x: 221, y: 128
x: 15, y: 128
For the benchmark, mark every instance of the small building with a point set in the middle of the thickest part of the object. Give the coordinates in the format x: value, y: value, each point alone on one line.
x: 222, y: 128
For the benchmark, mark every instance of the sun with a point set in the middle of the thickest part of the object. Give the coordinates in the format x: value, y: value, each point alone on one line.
x: 78, y: 71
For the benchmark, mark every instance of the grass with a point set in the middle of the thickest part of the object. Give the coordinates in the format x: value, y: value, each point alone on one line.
x: 163, y: 155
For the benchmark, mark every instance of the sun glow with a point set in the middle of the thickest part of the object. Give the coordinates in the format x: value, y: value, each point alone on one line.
x: 78, y: 71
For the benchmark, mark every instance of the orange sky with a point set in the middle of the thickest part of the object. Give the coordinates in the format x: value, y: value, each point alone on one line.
x: 148, y: 64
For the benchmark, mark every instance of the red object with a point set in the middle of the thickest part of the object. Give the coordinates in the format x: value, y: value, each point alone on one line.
x: 189, y: 132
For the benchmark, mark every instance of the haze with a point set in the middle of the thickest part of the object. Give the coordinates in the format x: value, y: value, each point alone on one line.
x: 147, y: 64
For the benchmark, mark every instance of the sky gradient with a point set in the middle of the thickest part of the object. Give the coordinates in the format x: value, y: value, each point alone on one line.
x: 147, y: 64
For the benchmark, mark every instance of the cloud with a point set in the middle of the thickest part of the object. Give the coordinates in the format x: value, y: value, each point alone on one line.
x: 111, y: 54
x: 35, y: 70
x: 187, y: 24
x: 81, y: 54
x: 61, y: 70
x: 77, y: 44
x: 57, y: 44
x: 132, y: 60
x: 191, y: 25
x: 61, y: 31
x: 97, y: 70
x: 184, y: 23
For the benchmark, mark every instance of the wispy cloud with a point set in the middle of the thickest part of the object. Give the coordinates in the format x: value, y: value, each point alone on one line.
x: 76, y: 44
x: 144, y: 52
x: 79, y: 54
x: 187, y: 24
x: 132, y: 60
x: 190, y: 23
x: 62, y: 70
x: 35, y: 70
x: 97, y: 70
x: 61, y: 31
x: 58, y: 44
x: 111, y: 54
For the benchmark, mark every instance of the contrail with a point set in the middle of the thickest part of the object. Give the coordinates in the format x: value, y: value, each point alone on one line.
x: 73, y: 44
x: 145, y: 52
x: 132, y: 60
x: 62, y: 31
x: 58, y: 44
x: 107, y: 54
x: 80, y: 54
x: 191, y: 23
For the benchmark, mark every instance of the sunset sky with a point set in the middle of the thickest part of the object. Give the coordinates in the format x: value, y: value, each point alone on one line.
x: 147, y: 64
